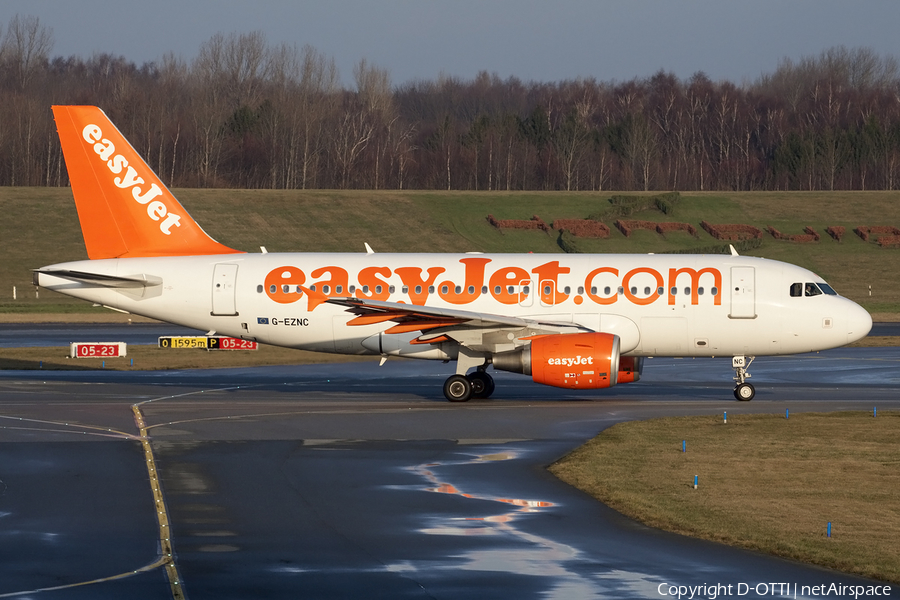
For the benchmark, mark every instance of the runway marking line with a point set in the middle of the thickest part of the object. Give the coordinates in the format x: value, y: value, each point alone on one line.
x: 162, y: 515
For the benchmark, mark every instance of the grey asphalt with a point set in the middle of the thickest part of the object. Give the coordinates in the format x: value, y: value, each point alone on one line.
x: 360, y: 481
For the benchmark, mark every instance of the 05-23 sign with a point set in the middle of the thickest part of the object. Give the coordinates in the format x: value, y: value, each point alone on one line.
x: 97, y: 349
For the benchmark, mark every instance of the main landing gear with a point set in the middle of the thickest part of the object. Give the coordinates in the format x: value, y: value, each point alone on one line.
x: 460, y: 388
x: 742, y: 390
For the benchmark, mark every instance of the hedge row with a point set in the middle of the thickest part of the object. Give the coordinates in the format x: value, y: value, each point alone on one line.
x: 866, y: 232
x: 534, y: 223
x: 585, y: 228
x: 626, y: 227
x: 732, y: 232
x: 809, y: 235
x: 663, y: 228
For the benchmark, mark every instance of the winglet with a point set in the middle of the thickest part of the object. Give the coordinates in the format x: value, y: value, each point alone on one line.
x: 124, y: 208
x: 733, y: 251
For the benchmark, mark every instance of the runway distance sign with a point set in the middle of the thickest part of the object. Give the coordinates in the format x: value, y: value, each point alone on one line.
x: 97, y: 349
x: 206, y: 342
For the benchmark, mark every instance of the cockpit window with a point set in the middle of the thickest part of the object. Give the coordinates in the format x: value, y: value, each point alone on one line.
x: 828, y: 289
x: 811, y: 289
x: 796, y: 290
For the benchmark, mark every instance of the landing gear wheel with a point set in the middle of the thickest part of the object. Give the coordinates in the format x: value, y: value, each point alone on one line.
x: 482, y: 384
x: 744, y: 392
x: 457, y: 388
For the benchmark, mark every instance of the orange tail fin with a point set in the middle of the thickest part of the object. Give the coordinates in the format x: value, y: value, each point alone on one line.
x: 124, y: 208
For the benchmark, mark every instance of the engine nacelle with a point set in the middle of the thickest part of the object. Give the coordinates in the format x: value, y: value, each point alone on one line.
x: 630, y: 368
x: 566, y: 360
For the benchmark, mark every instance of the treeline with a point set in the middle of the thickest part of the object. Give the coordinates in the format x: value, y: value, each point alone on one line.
x: 249, y: 114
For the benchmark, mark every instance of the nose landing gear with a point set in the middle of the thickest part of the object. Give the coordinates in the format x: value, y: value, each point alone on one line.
x: 743, y: 391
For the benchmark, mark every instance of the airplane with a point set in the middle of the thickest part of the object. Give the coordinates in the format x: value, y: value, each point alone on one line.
x: 574, y: 321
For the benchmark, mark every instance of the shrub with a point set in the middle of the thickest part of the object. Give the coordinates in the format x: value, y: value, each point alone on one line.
x: 836, y: 231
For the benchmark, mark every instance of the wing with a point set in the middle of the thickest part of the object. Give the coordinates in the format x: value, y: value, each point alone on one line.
x: 481, y: 332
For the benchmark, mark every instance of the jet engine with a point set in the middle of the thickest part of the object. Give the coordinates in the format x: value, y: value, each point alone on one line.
x: 567, y: 360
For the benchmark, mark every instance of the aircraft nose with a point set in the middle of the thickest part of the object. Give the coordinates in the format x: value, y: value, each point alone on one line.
x: 859, y: 323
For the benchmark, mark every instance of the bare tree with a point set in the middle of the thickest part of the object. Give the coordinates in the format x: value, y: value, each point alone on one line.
x: 26, y: 47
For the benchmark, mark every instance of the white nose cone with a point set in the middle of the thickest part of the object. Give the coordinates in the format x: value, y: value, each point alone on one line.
x: 859, y: 323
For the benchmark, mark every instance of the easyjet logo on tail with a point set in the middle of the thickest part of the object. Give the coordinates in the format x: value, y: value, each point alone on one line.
x: 116, y: 163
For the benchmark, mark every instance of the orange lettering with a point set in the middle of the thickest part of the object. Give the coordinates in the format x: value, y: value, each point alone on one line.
x: 412, y: 277
x: 281, y: 284
x: 502, y: 279
x: 339, y: 278
x: 695, y: 283
x: 653, y: 295
x: 589, y: 280
x: 368, y: 278
x: 471, y: 289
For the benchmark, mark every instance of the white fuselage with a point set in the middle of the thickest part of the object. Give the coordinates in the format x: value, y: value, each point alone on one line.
x: 659, y: 305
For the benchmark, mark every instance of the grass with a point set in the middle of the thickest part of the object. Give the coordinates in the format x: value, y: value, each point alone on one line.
x: 152, y: 358
x: 766, y: 483
x: 40, y: 227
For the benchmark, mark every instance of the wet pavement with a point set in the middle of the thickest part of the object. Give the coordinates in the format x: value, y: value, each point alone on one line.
x: 359, y: 481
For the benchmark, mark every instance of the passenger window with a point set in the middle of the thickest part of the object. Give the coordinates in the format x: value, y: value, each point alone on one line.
x: 714, y: 291
x: 526, y: 290
x: 338, y: 289
x: 325, y: 289
x: 812, y: 289
x: 546, y: 290
x: 444, y: 289
x: 457, y: 289
x: 377, y: 289
x: 498, y: 289
x: 674, y: 291
x: 699, y: 291
x: 484, y: 289
x: 272, y: 289
x: 647, y: 291
x: 606, y: 291
x: 351, y: 289
x: 391, y: 289
x: 404, y: 289
x: 687, y: 291
x: 660, y: 291
x: 796, y: 290
x: 633, y: 291
x: 594, y: 290
x: 471, y: 289
x: 259, y: 289
x: 365, y: 289
x: 430, y: 289
x: 418, y: 289
x: 580, y: 290
x: 567, y: 290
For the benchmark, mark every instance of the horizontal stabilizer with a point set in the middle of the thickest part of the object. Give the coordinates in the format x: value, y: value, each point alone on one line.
x: 110, y: 281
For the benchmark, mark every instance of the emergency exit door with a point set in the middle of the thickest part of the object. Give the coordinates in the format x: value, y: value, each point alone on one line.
x: 743, y: 293
x: 223, y: 290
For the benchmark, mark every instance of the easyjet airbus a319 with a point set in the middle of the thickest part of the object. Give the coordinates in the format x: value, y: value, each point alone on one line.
x: 571, y: 321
